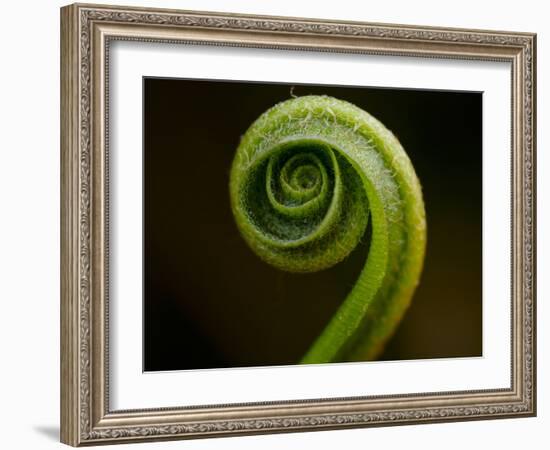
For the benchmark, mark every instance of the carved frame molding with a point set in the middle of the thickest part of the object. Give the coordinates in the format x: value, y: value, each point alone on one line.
x: 86, y: 31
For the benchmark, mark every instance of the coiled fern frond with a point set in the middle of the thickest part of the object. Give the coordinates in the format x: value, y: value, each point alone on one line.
x: 307, y: 177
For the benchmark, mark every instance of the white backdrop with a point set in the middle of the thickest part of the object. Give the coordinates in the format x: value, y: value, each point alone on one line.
x: 29, y: 224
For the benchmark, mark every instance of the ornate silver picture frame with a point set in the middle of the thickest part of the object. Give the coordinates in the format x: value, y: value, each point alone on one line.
x: 87, y: 413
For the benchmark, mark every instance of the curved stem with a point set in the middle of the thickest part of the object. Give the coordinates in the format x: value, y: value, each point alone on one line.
x: 307, y: 177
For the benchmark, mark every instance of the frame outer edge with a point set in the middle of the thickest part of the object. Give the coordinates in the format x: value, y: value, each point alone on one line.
x: 533, y: 230
x: 69, y: 311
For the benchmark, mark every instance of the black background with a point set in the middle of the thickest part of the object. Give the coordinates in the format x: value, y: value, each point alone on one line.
x: 209, y: 301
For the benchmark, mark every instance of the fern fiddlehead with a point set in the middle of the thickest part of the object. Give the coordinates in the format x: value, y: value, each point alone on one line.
x: 307, y: 177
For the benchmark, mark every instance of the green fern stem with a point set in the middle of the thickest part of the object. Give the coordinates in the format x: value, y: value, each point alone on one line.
x: 307, y: 177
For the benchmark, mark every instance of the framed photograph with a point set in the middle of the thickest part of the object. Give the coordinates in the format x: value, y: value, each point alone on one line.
x: 277, y: 224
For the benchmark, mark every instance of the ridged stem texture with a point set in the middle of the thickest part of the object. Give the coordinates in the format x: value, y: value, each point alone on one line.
x: 307, y: 178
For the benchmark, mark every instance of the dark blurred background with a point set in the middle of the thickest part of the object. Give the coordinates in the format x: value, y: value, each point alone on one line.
x: 209, y: 301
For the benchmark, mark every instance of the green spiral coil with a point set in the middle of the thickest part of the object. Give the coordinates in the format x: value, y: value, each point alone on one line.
x: 308, y: 176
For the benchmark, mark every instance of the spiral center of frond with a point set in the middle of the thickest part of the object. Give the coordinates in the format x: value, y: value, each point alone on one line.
x: 299, y: 200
